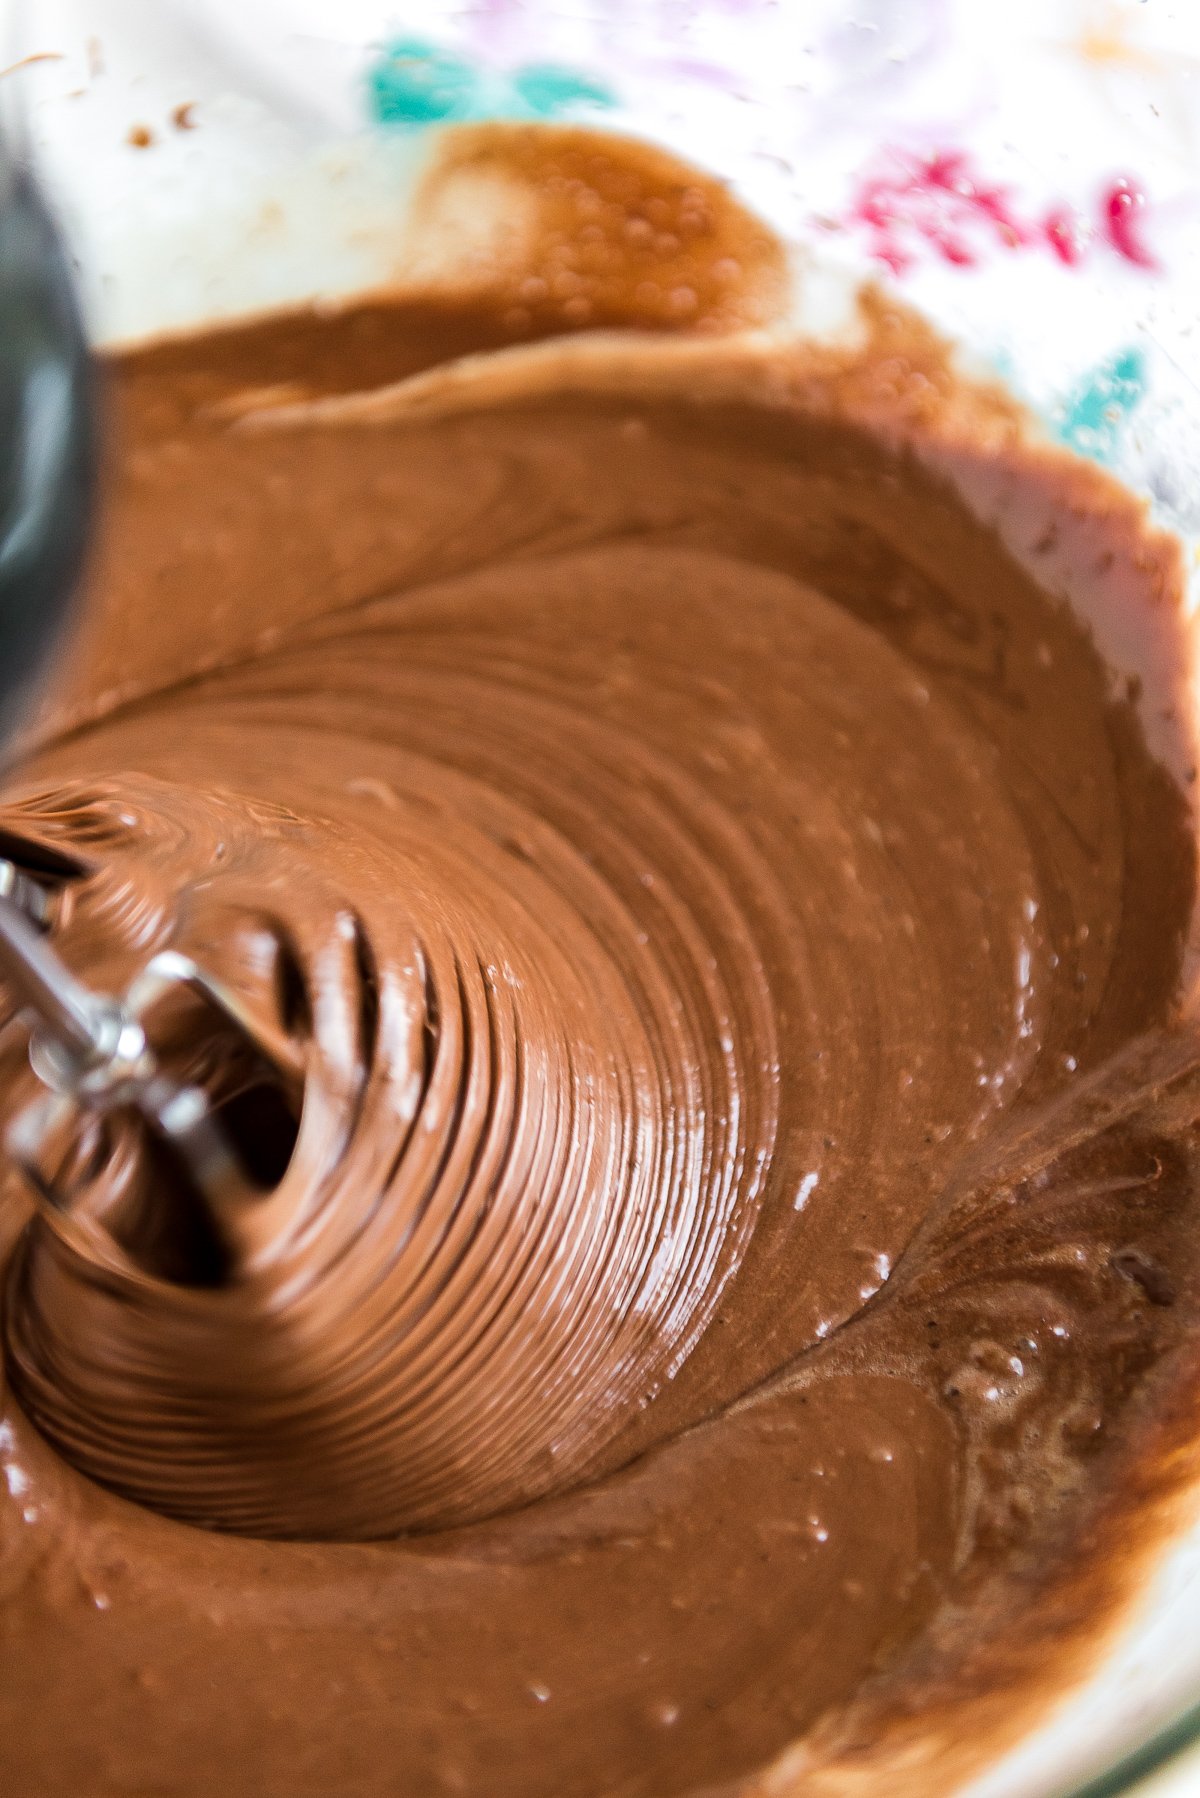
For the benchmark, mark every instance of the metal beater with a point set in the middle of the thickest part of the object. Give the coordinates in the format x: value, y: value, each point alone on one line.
x: 94, y: 1052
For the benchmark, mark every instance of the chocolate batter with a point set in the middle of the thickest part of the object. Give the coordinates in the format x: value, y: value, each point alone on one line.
x: 740, y: 1242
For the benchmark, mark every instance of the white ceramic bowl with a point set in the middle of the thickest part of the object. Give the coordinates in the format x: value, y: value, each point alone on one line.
x: 1062, y: 250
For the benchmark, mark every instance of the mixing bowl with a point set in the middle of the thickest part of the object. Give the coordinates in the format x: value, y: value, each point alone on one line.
x: 1027, y: 175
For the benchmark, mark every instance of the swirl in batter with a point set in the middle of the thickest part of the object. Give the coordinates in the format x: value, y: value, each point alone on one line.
x: 741, y: 1216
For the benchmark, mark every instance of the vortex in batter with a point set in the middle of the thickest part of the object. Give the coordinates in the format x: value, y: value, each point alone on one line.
x: 740, y: 1237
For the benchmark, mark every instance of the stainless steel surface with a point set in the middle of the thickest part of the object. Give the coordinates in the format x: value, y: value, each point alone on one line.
x: 89, y: 1049
x: 95, y: 1055
x: 83, y: 1027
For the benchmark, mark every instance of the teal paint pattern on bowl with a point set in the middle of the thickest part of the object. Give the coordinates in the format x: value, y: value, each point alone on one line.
x: 414, y: 82
x: 1094, y: 412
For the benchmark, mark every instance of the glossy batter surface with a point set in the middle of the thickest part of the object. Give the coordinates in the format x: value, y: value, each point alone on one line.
x: 741, y: 1227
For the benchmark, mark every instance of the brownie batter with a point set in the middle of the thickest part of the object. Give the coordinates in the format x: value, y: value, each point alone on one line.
x: 741, y: 1235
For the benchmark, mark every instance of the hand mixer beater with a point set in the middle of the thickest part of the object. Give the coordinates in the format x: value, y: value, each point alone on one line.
x: 95, y: 1053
